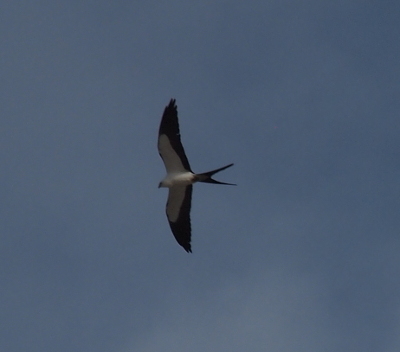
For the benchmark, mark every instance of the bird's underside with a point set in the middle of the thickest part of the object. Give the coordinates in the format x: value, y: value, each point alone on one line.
x: 179, y: 178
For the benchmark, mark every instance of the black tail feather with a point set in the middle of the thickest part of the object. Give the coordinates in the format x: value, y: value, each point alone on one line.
x: 206, y: 176
x: 210, y: 180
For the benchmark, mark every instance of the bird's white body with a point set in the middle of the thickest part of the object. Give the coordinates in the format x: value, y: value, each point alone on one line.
x: 178, y: 179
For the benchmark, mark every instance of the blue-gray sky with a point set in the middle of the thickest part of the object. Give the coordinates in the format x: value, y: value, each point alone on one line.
x: 303, y: 255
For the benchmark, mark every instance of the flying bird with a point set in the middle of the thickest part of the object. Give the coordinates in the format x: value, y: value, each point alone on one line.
x: 179, y: 178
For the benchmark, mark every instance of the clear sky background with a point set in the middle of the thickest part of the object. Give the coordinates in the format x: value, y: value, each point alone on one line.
x: 303, y: 255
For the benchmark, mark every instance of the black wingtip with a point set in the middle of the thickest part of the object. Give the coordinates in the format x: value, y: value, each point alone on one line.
x: 172, y: 103
x: 187, y: 247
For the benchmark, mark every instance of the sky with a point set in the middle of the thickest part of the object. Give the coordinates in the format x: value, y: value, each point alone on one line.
x: 303, y: 255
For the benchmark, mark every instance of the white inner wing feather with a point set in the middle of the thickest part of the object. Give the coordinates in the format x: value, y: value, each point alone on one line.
x: 171, y: 159
x: 176, y: 196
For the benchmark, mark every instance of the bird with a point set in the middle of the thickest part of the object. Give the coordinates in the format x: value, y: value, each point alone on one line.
x: 180, y: 177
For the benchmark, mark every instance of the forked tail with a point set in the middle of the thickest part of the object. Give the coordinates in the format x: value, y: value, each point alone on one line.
x: 206, y: 176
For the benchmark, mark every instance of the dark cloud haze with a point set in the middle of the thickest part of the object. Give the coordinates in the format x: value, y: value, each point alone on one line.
x: 303, y: 255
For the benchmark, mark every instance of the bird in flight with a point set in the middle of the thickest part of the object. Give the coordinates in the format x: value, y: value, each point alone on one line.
x: 179, y: 178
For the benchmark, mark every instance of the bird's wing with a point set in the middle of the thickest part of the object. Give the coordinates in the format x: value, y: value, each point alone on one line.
x: 178, y: 214
x: 169, y: 141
